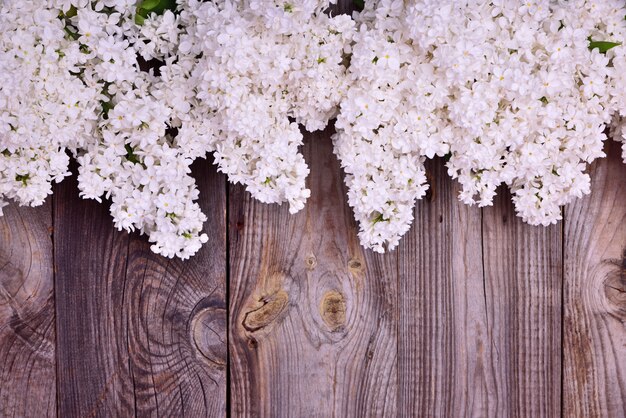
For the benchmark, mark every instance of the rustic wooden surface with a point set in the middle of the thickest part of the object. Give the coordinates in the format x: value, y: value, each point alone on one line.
x: 594, y: 289
x: 523, y: 281
x: 442, y: 327
x: 475, y: 314
x: 27, y: 331
x: 302, y: 284
x: 138, y: 334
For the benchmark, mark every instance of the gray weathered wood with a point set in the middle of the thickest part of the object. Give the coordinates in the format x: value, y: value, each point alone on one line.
x: 313, y: 316
x: 92, y: 342
x: 479, y: 331
x: 594, y: 347
x: 139, y: 334
x: 523, y: 291
x: 443, y: 346
x: 27, y: 337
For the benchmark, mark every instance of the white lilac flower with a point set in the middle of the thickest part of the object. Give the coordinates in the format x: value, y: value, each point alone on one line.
x: 511, y: 90
x: 134, y: 160
x: 231, y: 77
x: 44, y: 109
x: 264, y: 67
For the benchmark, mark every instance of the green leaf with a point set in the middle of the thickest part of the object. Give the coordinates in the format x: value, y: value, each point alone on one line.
x: 149, y: 4
x: 603, y: 46
x: 139, y: 19
x: 158, y: 7
x: 71, y: 12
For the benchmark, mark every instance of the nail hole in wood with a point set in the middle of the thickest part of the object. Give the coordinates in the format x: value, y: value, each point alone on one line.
x: 310, y: 262
x: 252, y: 343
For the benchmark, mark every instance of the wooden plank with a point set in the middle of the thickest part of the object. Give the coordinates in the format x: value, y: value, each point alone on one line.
x: 523, y: 291
x: 92, y: 351
x: 313, y: 316
x: 443, y: 347
x: 27, y: 336
x: 479, y: 302
x: 594, y: 372
x: 139, y: 334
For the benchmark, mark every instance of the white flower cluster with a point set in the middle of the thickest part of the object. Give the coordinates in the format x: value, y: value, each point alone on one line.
x: 44, y: 108
x: 512, y: 92
x: 264, y: 67
x: 515, y: 93
x: 134, y: 159
x: 137, y: 96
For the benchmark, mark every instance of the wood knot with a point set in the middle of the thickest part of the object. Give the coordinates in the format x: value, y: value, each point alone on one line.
x: 333, y: 310
x: 615, y: 293
x: 310, y: 262
x: 208, y: 329
x: 615, y: 286
x: 355, y: 265
x: 271, y: 308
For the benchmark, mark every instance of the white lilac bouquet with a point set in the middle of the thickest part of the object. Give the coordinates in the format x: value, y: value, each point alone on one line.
x: 137, y: 90
x: 515, y: 93
x: 510, y: 92
x: 254, y: 71
x: 44, y: 107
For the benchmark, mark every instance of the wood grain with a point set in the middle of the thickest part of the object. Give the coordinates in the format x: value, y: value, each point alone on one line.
x: 313, y: 317
x: 523, y: 292
x: 139, y: 334
x: 27, y: 335
x: 594, y: 348
x: 444, y: 348
x: 480, y: 319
